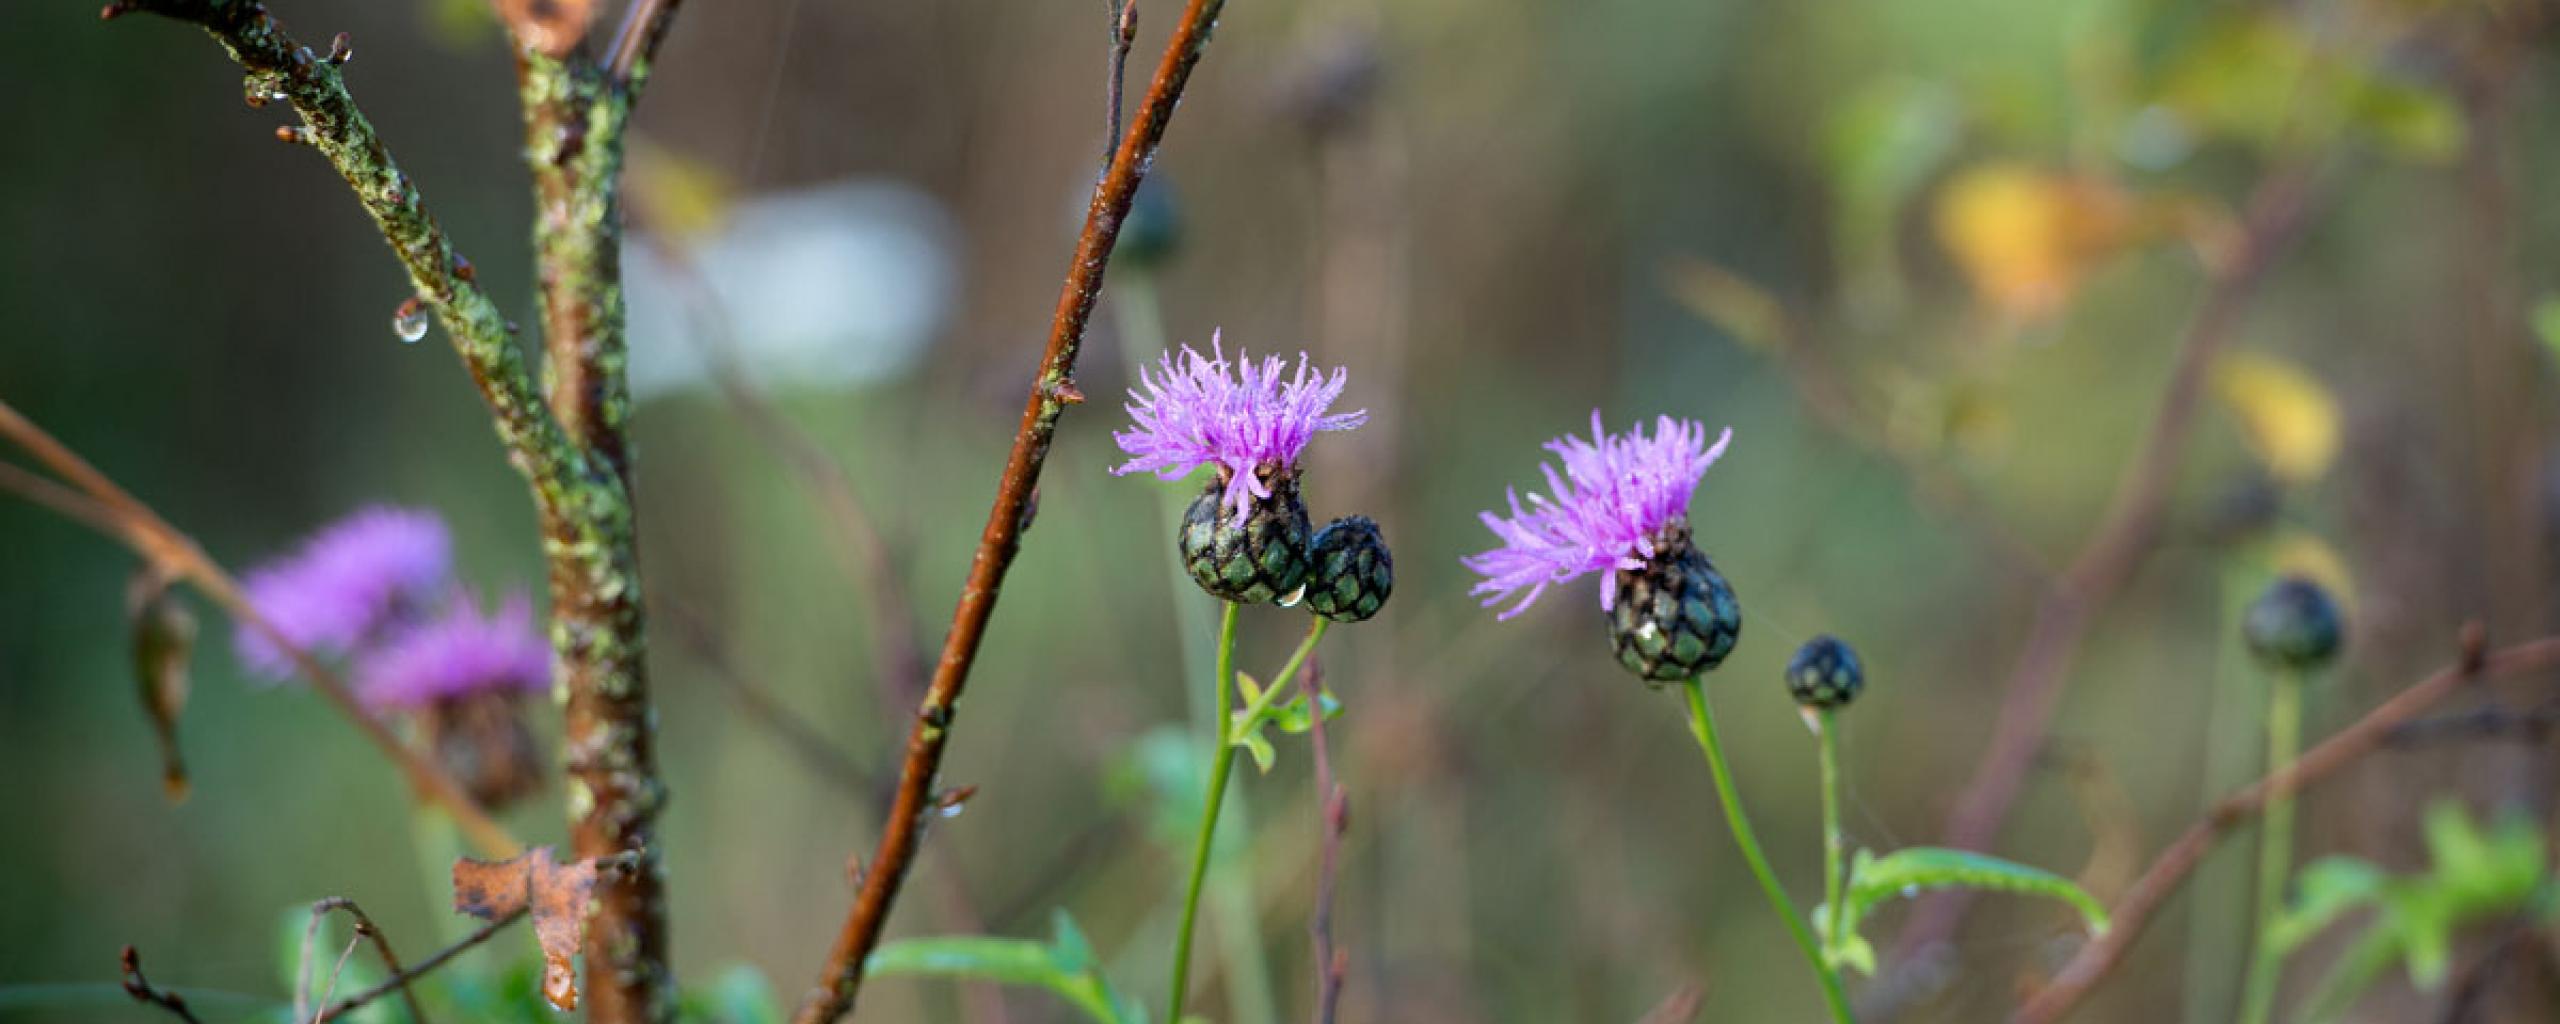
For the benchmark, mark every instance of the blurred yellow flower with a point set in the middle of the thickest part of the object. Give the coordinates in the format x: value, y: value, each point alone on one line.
x: 2025, y: 236
x: 2304, y: 554
x: 2290, y: 419
x: 677, y: 197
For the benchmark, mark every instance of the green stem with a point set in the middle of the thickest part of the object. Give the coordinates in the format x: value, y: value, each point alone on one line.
x: 1827, y: 730
x: 1702, y: 724
x: 2275, y: 849
x: 1236, y: 732
x: 1223, y: 761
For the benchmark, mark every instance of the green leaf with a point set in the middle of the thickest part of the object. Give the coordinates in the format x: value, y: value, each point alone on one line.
x: 1065, y: 966
x: 740, y: 995
x: 2546, y: 324
x: 1259, y: 746
x: 1907, y: 872
x: 2327, y: 888
x: 1292, y: 716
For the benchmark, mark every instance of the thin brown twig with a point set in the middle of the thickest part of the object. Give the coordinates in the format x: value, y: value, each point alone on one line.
x: 1051, y: 392
x: 164, y: 545
x: 2170, y: 870
x: 1124, y: 34
x: 365, y: 929
x: 142, y: 991
x: 2131, y: 528
x: 400, y: 980
x: 1330, y: 963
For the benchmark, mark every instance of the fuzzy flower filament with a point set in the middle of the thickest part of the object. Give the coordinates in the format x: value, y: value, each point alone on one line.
x: 1250, y: 418
x: 1618, y: 497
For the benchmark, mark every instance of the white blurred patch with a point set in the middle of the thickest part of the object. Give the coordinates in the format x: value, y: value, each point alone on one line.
x: 820, y: 288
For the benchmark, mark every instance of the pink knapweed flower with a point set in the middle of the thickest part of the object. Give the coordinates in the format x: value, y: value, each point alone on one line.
x: 1618, y: 496
x: 1250, y: 419
x: 346, y: 585
x: 458, y: 654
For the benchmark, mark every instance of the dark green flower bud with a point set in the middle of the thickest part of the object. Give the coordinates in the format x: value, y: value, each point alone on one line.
x: 1825, y: 673
x: 1675, y: 618
x: 1350, y: 572
x: 2294, y: 626
x: 1261, y: 559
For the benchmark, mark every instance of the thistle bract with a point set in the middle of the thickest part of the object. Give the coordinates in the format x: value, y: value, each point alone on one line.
x: 1250, y: 419
x: 1258, y: 559
x: 1616, y: 506
x: 1673, y: 617
x: 1825, y: 673
x: 2293, y: 626
x: 1350, y: 573
x: 347, y: 586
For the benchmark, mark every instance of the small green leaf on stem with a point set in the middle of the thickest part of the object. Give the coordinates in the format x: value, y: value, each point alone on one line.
x: 1908, y: 872
x: 164, y: 637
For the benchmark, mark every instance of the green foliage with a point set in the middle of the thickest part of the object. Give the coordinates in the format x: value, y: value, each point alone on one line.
x: 1245, y: 728
x: 1908, y: 872
x: 1065, y: 965
x: 2473, y: 876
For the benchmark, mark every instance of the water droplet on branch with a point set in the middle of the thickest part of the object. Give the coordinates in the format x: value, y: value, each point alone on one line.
x: 410, y: 320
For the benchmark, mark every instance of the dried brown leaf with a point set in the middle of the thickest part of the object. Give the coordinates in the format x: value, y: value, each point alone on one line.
x: 555, y: 893
x: 164, y: 637
x: 1680, y: 1007
x: 553, y: 27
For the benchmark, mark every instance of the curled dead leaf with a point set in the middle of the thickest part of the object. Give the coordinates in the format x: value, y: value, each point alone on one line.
x: 555, y: 893
x: 164, y: 637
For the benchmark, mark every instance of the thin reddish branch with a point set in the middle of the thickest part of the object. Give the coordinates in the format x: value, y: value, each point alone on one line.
x: 1330, y: 962
x: 2107, y: 562
x: 143, y: 991
x: 110, y: 509
x: 2163, y: 878
x: 635, y: 44
x: 400, y: 979
x: 1051, y: 392
x: 365, y: 929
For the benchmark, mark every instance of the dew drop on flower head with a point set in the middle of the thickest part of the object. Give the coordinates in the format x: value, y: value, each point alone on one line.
x: 461, y: 653
x: 1617, y: 495
x: 346, y: 585
x: 1249, y: 418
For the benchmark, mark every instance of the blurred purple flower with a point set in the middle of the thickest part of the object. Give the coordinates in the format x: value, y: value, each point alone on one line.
x: 346, y: 584
x: 1248, y: 424
x: 457, y: 655
x: 1618, y: 497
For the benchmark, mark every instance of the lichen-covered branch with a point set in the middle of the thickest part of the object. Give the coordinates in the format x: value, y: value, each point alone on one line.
x: 1052, y: 390
x: 575, y: 115
x: 573, y: 450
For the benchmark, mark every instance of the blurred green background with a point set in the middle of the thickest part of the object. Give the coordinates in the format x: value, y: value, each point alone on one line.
x: 1931, y: 262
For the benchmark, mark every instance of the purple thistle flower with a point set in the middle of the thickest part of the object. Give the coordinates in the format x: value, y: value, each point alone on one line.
x: 1251, y: 424
x: 457, y: 655
x: 346, y: 584
x: 1617, y: 498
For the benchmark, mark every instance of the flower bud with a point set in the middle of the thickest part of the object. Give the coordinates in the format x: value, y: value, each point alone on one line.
x: 1350, y: 572
x: 1263, y: 558
x: 1825, y: 673
x: 1676, y: 618
x: 2294, y: 626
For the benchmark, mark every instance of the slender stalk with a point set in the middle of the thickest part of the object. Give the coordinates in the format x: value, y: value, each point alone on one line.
x: 2275, y: 848
x: 1142, y: 334
x: 1702, y: 724
x: 1271, y: 692
x: 1222, y: 763
x: 1826, y: 730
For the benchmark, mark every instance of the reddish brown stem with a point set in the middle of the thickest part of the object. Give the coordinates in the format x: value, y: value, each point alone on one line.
x: 143, y: 991
x: 104, y: 506
x: 2162, y: 879
x: 1330, y: 962
x: 2126, y: 536
x: 841, y: 979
